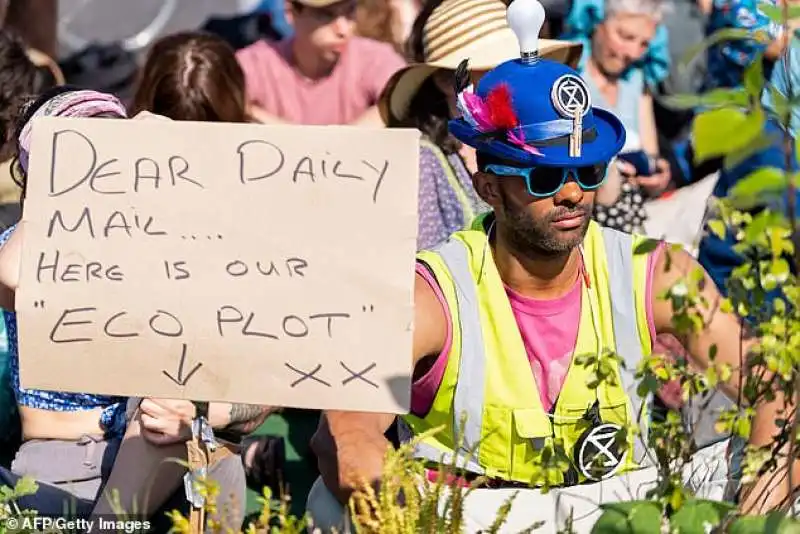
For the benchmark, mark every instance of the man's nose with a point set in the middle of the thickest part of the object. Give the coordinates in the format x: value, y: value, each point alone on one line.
x: 570, y: 193
x: 633, y: 52
x: 343, y: 25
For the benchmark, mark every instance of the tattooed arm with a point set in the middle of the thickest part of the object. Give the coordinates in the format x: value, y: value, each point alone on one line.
x: 237, y: 418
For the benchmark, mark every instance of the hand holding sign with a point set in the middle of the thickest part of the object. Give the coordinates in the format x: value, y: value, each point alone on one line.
x: 218, y: 262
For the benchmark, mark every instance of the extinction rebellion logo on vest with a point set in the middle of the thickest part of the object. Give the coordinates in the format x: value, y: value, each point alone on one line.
x: 597, y: 452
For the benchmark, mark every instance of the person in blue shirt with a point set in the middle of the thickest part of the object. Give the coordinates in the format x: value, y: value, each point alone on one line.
x: 785, y: 79
x: 716, y: 254
x: 727, y: 61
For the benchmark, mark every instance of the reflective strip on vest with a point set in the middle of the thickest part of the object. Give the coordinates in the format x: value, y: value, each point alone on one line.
x: 468, y: 398
x: 619, y: 258
x: 462, y: 462
x: 469, y: 390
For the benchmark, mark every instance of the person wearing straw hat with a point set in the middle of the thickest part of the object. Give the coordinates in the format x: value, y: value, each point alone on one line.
x: 421, y: 96
x: 532, y: 324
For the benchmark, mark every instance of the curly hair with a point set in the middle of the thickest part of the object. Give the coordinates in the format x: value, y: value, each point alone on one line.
x: 19, y: 79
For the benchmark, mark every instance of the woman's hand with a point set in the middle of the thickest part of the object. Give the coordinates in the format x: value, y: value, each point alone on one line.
x: 165, y: 421
x: 656, y: 183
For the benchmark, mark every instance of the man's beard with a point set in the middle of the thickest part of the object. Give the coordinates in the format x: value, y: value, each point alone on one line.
x: 537, y: 237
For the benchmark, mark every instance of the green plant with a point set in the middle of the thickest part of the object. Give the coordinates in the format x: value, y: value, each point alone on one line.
x: 760, y: 216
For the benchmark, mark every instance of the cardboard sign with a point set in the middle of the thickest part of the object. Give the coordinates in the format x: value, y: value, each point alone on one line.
x: 220, y: 262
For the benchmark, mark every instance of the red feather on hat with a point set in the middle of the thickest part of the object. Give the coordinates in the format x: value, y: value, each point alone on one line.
x: 501, y: 111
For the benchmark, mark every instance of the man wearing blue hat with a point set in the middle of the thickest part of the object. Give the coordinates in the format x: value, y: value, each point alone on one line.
x: 516, y: 317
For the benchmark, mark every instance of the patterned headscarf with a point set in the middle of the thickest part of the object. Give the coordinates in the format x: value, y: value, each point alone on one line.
x: 72, y: 103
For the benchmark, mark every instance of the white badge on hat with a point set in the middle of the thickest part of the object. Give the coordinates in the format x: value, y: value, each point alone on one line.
x: 572, y: 100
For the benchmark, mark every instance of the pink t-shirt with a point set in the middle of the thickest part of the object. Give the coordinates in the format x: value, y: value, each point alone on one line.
x: 549, y: 330
x: 353, y: 87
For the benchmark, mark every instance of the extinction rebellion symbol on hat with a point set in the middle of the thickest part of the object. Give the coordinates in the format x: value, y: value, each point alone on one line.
x: 570, y: 97
x: 597, y: 452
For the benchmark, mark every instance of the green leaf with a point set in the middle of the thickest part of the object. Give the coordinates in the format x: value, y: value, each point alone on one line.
x: 649, y: 384
x: 761, y: 225
x: 797, y: 145
x: 748, y: 525
x: 713, y: 98
x: 777, y: 101
x: 681, y: 101
x: 774, y: 523
x: 647, y: 246
x: 719, y: 36
x: 779, y: 269
x: 634, y: 517
x: 720, y: 131
x: 774, y: 13
x: 695, y: 515
x: 736, y: 157
x: 717, y: 228
x: 743, y: 427
x: 752, y: 190
x: 754, y: 77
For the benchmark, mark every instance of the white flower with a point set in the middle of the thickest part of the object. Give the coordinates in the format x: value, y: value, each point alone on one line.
x: 679, y: 290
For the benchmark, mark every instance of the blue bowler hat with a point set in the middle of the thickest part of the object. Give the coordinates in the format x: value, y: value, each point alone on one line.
x: 533, y: 111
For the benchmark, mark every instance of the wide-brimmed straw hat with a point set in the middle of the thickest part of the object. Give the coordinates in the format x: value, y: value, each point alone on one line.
x: 464, y: 29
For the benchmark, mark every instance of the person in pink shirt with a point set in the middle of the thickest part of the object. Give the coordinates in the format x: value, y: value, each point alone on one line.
x: 323, y: 74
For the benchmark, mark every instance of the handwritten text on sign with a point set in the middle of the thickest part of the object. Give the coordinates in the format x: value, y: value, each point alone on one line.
x: 241, y: 263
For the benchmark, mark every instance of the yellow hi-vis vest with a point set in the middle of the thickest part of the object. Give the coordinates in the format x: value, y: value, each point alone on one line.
x: 488, y: 376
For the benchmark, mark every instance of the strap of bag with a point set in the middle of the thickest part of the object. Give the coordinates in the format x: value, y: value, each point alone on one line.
x: 197, y: 455
x: 203, y: 451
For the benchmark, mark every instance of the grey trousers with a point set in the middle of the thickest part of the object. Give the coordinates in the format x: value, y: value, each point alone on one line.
x: 71, y: 475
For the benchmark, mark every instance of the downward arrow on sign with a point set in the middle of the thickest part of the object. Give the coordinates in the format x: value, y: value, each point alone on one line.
x: 182, y: 380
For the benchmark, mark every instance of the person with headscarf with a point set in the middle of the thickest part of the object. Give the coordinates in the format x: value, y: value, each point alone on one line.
x: 625, y: 56
x: 71, y: 441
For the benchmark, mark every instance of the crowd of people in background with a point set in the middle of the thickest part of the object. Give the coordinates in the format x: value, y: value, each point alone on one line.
x: 374, y: 63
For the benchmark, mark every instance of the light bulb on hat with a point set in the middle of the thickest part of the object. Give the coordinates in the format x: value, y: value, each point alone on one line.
x: 526, y: 18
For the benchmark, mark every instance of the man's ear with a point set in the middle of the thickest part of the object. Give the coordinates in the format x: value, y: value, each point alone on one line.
x: 487, y: 187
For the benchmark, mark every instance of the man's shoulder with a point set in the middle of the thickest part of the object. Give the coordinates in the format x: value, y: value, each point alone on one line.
x: 261, y: 50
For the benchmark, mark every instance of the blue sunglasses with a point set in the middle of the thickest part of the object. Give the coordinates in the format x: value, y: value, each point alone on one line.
x: 547, y: 181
